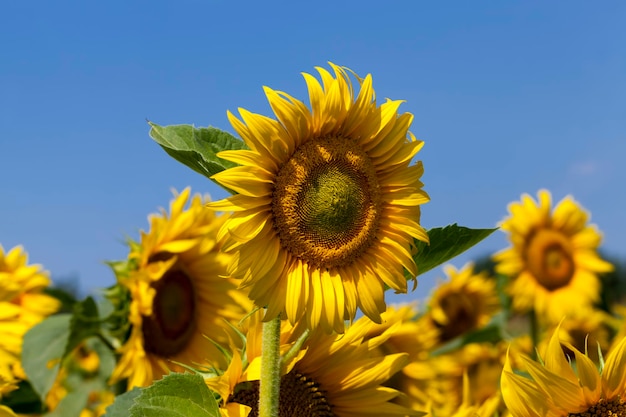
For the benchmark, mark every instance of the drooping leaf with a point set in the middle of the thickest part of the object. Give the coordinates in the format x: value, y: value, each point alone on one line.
x: 445, y: 244
x: 196, y: 147
x: 43, y: 348
x: 176, y: 395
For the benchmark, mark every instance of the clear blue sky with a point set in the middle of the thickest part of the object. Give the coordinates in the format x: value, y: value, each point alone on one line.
x: 509, y: 97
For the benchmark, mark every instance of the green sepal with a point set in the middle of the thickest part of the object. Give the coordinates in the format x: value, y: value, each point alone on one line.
x: 445, y: 244
x: 176, y: 395
x: 196, y: 147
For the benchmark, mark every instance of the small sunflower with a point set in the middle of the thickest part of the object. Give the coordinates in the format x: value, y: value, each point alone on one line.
x: 553, y: 260
x: 328, y: 202
x: 586, y: 329
x: 22, y: 304
x: 560, y: 389
x: 463, y: 303
x: 332, y: 376
x: 180, y: 300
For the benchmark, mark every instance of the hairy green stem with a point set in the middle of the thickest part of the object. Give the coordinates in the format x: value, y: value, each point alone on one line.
x: 293, y: 351
x: 269, y: 391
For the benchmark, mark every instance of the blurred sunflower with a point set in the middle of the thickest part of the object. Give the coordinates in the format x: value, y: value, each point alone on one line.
x: 553, y: 260
x: 463, y: 303
x: 328, y: 203
x: 331, y: 376
x: 469, y: 408
x: 587, y: 330
x: 438, y: 384
x: 180, y: 300
x: 413, y: 334
x: 22, y: 304
x: 558, y: 388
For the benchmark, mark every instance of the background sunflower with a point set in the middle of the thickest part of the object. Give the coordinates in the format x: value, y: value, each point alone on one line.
x: 180, y: 302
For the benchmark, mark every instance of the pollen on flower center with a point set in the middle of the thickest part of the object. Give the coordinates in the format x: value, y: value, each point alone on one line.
x: 299, y: 396
x: 327, y: 203
x: 172, y: 323
x: 604, y: 408
x: 550, y: 259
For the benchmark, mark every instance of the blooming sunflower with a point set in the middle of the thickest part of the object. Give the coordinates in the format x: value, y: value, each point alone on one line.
x: 553, y: 259
x: 22, y: 304
x: 465, y: 302
x: 328, y: 203
x: 180, y: 300
x: 556, y: 389
x: 332, y: 376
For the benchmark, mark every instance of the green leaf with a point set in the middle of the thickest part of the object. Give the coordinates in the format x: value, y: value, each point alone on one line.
x: 196, y: 147
x: 123, y: 403
x: 42, y: 350
x: 176, y: 395
x: 446, y: 243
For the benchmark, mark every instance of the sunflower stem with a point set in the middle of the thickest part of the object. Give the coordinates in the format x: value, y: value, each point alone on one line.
x: 293, y: 350
x: 269, y: 390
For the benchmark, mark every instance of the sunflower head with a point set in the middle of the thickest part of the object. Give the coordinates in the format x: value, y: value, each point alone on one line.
x: 466, y: 302
x: 328, y: 202
x: 553, y: 258
x: 331, y: 376
x: 180, y: 301
x: 567, y: 386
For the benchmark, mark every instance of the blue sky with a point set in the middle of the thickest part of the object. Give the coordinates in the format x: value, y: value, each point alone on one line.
x: 509, y: 97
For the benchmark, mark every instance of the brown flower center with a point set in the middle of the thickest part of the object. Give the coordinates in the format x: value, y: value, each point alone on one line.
x: 549, y: 259
x: 327, y: 202
x: 299, y: 396
x: 173, y: 321
x: 461, y: 313
x: 604, y: 408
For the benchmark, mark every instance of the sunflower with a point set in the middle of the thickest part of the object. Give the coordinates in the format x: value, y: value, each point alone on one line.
x: 438, y: 383
x: 469, y: 408
x: 180, y: 301
x: 463, y: 303
x: 556, y: 389
x: 553, y: 260
x: 586, y: 329
x: 22, y: 304
x: 413, y: 334
x: 332, y: 376
x: 328, y: 202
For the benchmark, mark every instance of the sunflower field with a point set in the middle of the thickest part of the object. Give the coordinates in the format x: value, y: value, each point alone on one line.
x: 272, y: 301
